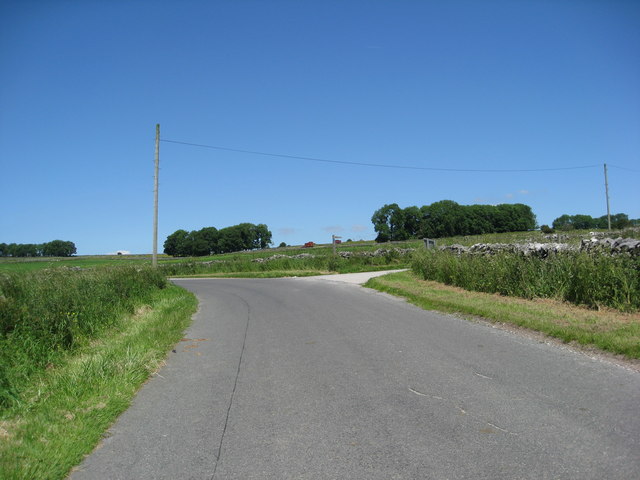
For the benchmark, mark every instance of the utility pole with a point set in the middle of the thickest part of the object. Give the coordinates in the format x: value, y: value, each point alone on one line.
x: 606, y: 188
x: 154, y: 258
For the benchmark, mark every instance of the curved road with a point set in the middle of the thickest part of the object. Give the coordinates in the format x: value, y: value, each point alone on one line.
x: 310, y: 378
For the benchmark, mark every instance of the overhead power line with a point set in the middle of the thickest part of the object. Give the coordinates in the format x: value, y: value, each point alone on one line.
x: 378, y: 165
x: 624, y: 168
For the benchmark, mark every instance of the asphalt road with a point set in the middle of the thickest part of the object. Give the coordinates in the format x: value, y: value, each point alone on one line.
x: 315, y: 379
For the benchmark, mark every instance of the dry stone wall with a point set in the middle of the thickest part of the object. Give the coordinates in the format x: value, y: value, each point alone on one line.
x: 610, y: 246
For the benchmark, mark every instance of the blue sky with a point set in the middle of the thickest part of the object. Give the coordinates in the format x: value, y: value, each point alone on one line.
x: 468, y: 85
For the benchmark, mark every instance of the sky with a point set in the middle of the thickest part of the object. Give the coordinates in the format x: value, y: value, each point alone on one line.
x: 465, y: 92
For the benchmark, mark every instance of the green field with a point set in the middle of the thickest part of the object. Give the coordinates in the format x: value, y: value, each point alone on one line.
x: 78, y: 335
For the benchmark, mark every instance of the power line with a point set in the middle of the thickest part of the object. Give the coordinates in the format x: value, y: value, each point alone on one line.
x: 378, y: 165
x: 624, y: 168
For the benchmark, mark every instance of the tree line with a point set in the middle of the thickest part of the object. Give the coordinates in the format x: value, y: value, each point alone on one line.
x: 55, y: 248
x: 585, y: 222
x: 447, y: 218
x: 211, y: 241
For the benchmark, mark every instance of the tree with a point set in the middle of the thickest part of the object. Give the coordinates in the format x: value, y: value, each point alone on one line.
x: 584, y: 222
x: 411, y: 222
x: 209, y: 240
x: 388, y: 221
x: 443, y: 219
x: 447, y: 218
x: 176, y: 244
x: 564, y: 222
x: 620, y: 221
x: 58, y: 248
x: 261, y: 236
x: 204, y: 241
x: 230, y: 239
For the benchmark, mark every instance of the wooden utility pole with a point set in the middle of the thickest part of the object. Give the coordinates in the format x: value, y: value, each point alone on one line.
x: 154, y: 258
x: 606, y: 188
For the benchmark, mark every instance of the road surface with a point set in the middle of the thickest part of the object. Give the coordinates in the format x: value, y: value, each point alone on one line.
x: 309, y: 378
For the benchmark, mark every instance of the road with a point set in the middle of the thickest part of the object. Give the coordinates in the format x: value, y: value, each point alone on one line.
x: 307, y: 378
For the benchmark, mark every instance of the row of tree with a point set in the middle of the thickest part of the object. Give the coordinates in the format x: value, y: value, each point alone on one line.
x: 210, y: 240
x: 447, y: 218
x: 55, y: 248
x: 585, y: 222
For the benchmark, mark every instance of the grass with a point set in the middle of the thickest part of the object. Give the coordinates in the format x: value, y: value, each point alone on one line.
x: 322, y: 262
x: 233, y: 262
x: 77, y: 342
x: 606, y: 329
x: 49, y: 314
x: 593, y: 280
x: 62, y: 413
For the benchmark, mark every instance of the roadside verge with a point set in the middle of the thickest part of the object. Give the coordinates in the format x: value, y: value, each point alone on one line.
x: 606, y: 330
x: 63, y: 416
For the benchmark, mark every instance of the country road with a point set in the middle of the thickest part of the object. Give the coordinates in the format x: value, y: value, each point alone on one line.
x: 309, y: 378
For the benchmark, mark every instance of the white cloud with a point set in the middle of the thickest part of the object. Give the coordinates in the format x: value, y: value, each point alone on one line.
x: 286, y: 231
x: 358, y: 228
x: 333, y: 229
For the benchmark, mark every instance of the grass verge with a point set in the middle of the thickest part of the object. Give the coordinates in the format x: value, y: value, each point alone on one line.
x: 608, y: 330
x: 64, y: 413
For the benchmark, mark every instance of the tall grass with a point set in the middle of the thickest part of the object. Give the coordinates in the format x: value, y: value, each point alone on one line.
x: 584, y: 279
x: 320, y: 263
x: 47, y: 314
x: 65, y: 410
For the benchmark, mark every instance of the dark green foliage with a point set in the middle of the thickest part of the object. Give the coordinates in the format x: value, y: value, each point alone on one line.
x: 546, y: 229
x: 576, y: 277
x: 210, y: 241
x: 446, y: 218
x: 45, y: 314
x: 55, y: 248
x: 388, y: 223
x: 585, y: 222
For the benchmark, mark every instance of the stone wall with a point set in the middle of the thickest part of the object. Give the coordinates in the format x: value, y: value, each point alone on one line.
x: 609, y: 246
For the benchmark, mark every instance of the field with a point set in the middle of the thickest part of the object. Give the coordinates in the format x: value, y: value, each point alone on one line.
x: 319, y: 261
x: 79, y: 335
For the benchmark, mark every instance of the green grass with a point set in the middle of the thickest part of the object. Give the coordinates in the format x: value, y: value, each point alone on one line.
x: 322, y: 262
x: 48, y: 314
x: 238, y: 262
x: 77, y: 342
x: 593, y: 280
x: 62, y: 413
x: 608, y: 330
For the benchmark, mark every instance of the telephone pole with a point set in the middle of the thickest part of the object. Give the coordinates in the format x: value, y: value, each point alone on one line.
x: 606, y: 188
x: 154, y: 258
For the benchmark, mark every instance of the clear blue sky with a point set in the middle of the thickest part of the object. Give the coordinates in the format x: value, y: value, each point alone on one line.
x: 456, y: 84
